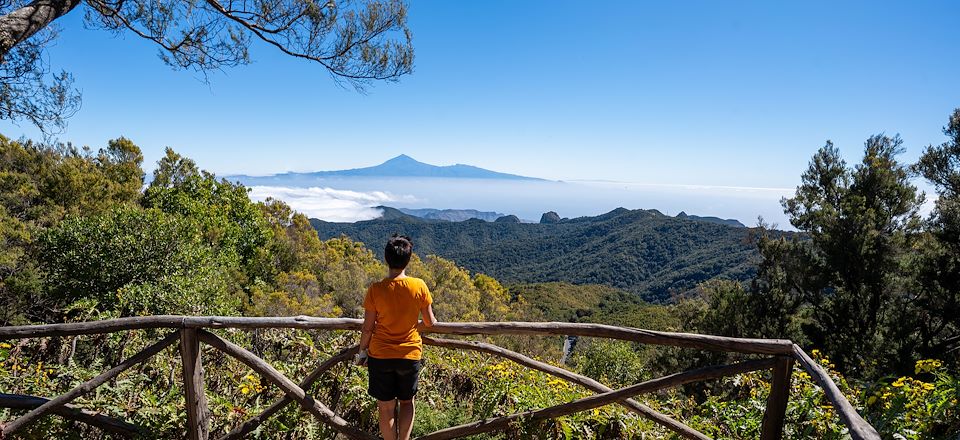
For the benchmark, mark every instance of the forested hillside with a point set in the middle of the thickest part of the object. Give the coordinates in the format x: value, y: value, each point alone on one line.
x: 641, y: 251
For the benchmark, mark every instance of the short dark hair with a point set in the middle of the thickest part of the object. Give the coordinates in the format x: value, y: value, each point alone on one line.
x: 398, y: 251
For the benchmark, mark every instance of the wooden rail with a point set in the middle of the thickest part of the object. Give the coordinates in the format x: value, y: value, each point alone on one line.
x: 191, y: 331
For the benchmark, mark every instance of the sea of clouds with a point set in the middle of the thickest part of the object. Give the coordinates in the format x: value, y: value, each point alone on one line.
x: 334, y: 205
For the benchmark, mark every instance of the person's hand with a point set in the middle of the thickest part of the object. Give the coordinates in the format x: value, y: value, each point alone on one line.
x: 360, y: 359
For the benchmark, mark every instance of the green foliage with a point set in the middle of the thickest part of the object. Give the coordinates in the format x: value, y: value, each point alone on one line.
x: 174, y: 170
x: 300, y: 293
x: 230, y: 222
x: 39, y: 186
x: 494, y: 298
x: 589, y: 303
x: 614, y: 363
x: 347, y: 268
x: 643, y: 252
x: 343, y: 269
x: 844, y: 284
x: 454, y: 295
x: 937, y: 265
x: 861, y: 222
x: 918, y: 409
x: 139, y: 261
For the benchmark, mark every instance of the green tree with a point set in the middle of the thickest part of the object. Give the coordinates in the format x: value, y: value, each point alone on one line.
x: 343, y: 268
x: 136, y: 261
x: 39, y: 186
x: 938, y: 262
x: 454, y: 294
x: 173, y: 170
x: 297, y: 293
x: 494, y: 298
x: 859, y: 226
x: 347, y: 268
x: 230, y: 222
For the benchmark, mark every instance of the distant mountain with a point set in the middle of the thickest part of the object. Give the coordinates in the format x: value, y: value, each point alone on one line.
x: 641, y: 251
x: 728, y: 221
x: 452, y: 215
x: 400, y: 166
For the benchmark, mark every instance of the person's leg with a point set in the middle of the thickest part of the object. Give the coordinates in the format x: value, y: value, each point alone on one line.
x: 388, y: 425
x: 405, y: 420
x: 407, y: 388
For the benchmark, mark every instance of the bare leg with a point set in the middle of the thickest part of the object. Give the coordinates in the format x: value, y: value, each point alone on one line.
x: 388, y: 426
x: 405, y: 420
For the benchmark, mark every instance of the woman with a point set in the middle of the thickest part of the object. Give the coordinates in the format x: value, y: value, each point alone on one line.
x: 390, y: 345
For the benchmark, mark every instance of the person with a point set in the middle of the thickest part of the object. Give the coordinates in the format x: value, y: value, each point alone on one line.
x: 390, y: 345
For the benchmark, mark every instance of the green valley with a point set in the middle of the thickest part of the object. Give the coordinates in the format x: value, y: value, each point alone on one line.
x: 640, y: 251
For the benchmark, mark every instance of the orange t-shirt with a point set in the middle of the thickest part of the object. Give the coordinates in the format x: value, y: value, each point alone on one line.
x: 397, y: 302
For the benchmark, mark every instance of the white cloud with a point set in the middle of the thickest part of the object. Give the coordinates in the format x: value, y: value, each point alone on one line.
x: 330, y: 204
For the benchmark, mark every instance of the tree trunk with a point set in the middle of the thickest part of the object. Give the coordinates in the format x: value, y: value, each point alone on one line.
x: 21, y: 24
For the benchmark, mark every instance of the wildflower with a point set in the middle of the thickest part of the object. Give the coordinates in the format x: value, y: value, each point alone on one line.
x: 926, y: 365
x: 244, y: 390
x: 899, y: 382
x: 928, y: 386
x: 5, y: 345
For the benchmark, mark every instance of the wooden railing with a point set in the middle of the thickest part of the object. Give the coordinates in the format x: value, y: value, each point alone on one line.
x: 776, y: 354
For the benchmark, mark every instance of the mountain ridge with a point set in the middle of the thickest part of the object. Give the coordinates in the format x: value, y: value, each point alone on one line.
x: 453, y: 215
x: 399, y: 166
x: 641, y: 251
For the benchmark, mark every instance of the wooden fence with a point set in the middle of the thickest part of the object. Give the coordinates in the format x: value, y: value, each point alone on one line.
x: 189, y: 331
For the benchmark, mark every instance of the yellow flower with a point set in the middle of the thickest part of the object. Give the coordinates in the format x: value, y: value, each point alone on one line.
x: 928, y: 386
x: 899, y: 382
x: 926, y: 365
x: 5, y: 345
x: 245, y: 390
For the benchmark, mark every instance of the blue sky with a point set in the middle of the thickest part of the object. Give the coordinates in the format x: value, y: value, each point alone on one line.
x: 699, y: 93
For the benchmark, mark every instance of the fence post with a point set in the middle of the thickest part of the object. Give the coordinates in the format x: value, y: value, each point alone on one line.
x: 773, y: 417
x: 198, y: 421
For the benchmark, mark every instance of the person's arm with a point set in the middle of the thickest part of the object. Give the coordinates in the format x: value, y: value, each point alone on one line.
x: 366, y: 332
x: 428, y: 317
x: 426, y: 308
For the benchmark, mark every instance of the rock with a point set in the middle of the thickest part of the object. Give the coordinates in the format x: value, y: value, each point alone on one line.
x: 549, y: 218
x: 508, y: 219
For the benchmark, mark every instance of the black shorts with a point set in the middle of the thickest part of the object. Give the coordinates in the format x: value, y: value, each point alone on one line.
x: 393, y: 378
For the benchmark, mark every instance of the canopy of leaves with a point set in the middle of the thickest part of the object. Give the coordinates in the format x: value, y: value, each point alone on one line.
x: 138, y: 262
x: 39, y: 186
